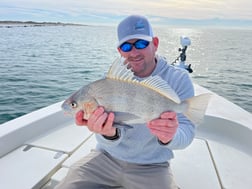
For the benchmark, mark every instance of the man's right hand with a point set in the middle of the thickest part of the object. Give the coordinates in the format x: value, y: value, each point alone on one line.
x: 99, y: 122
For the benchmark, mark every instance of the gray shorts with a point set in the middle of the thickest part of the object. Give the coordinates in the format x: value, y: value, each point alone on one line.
x: 99, y: 170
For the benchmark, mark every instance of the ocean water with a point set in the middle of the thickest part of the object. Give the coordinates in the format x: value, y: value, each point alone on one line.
x: 40, y: 66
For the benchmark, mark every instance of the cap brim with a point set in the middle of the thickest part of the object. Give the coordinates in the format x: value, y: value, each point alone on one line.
x: 136, y: 36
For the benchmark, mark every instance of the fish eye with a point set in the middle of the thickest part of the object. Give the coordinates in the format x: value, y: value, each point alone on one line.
x: 73, y: 104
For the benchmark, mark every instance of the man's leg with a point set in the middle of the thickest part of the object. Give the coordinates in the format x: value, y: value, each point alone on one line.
x: 95, y: 171
x: 149, y: 177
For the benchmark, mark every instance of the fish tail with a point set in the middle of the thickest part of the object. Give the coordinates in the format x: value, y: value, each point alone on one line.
x: 197, y: 106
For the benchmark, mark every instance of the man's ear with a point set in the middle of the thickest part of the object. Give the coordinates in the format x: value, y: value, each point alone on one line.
x: 155, y: 41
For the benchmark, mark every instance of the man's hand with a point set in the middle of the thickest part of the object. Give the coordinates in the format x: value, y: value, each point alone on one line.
x: 99, y: 122
x: 164, y: 127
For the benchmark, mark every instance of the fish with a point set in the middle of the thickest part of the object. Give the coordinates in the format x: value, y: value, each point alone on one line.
x: 133, y: 101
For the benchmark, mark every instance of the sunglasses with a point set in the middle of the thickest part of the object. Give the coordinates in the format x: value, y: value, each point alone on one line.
x: 139, y: 44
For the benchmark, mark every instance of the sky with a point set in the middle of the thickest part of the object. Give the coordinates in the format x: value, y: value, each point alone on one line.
x: 230, y: 12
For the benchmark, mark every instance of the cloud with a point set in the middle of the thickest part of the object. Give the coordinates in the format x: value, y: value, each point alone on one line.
x: 112, y: 10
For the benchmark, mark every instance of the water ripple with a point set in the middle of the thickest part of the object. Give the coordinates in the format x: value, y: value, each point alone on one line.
x: 43, y: 65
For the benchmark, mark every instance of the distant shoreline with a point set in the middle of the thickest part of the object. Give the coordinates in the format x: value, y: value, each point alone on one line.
x: 10, y: 24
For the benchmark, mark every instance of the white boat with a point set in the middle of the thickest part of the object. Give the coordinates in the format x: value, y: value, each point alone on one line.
x: 37, y: 149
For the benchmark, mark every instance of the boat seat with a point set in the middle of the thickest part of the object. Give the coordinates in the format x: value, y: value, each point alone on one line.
x: 65, y: 139
x: 28, y: 167
x: 234, y: 166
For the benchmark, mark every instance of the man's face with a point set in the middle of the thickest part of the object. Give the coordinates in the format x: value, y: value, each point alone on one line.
x: 141, y: 61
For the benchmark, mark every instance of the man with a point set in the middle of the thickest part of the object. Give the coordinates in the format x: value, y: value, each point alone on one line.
x: 135, y: 158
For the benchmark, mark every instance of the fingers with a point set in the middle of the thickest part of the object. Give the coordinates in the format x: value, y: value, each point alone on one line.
x: 110, y: 120
x: 163, y: 122
x: 164, y: 127
x: 79, y: 118
x: 99, y: 121
x: 167, y: 119
x: 108, y: 128
x: 168, y: 115
x: 102, y: 122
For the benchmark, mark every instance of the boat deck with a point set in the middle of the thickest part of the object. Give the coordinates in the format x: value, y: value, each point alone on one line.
x: 219, y: 157
x: 204, y: 164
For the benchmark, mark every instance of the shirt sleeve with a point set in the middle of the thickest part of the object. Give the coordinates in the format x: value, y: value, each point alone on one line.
x: 110, y: 143
x: 185, y: 133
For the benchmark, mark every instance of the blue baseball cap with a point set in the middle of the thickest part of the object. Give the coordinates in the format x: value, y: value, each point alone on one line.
x: 134, y: 27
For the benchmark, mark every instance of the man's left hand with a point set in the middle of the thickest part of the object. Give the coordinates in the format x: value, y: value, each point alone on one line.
x: 164, y: 127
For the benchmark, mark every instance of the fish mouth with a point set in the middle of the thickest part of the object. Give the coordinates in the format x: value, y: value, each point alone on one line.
x: 68, y: 113
x: 66, y: 108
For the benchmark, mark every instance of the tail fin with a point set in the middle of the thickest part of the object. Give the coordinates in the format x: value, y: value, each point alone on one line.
x: 197, y: 107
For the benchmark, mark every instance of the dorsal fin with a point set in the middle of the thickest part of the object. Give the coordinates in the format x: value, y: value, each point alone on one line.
x: 119, y: 71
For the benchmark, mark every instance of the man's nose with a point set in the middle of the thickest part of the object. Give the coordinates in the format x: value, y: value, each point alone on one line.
x: 134, y: 51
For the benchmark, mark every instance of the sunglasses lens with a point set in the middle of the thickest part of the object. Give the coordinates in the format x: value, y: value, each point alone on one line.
x: 126, y: 47
x: 141, y: 44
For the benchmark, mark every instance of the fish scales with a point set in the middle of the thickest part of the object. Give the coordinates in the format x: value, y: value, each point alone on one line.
x: 119, y: 96
x: 133, y: 101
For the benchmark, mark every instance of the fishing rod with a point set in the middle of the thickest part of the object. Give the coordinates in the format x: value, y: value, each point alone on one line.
x: 181, y: 59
